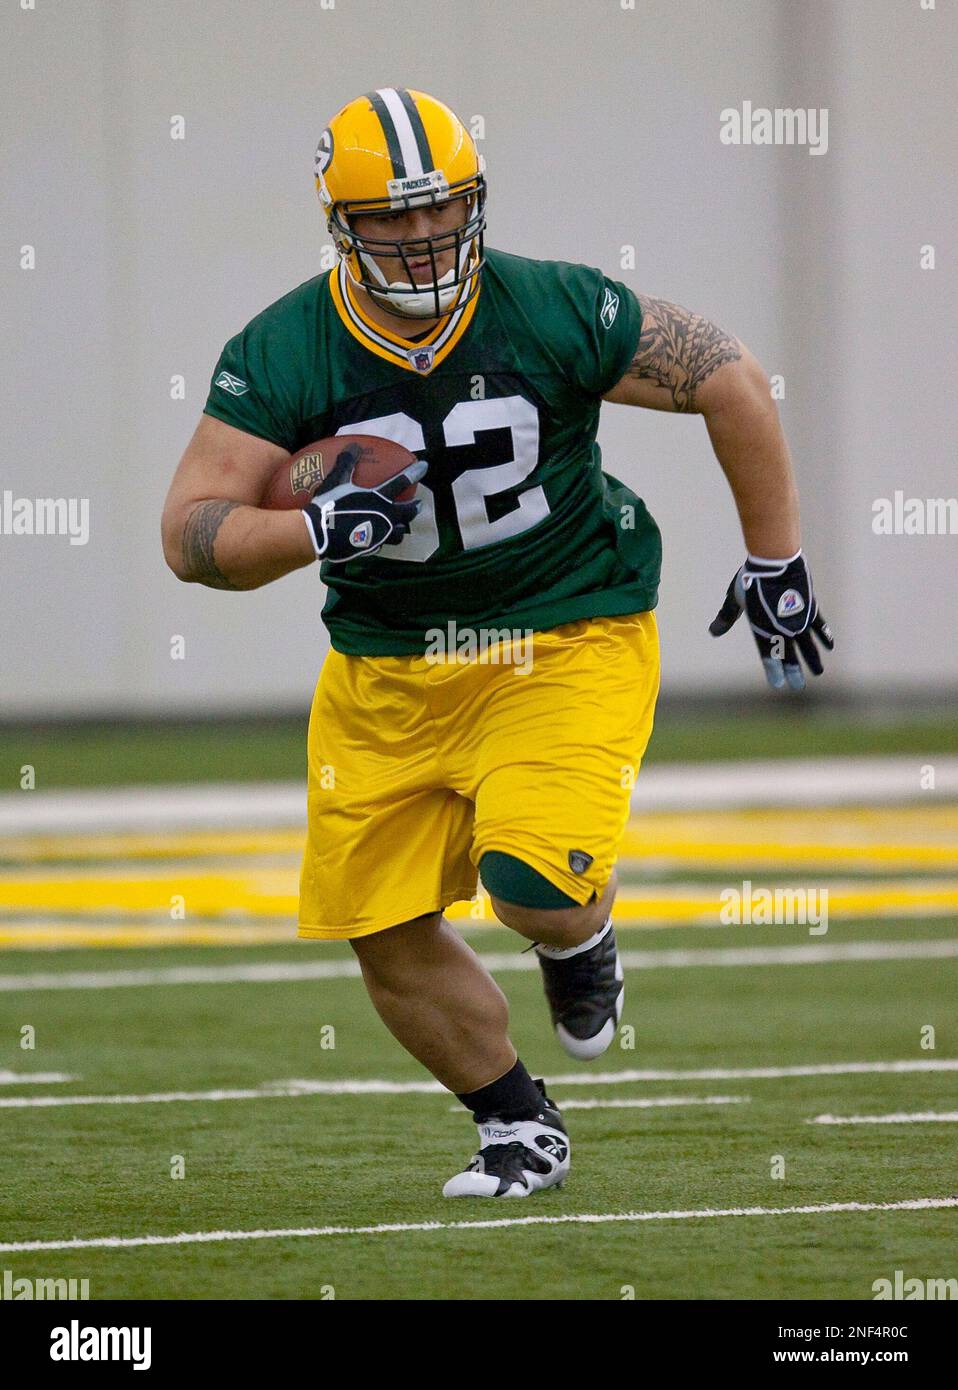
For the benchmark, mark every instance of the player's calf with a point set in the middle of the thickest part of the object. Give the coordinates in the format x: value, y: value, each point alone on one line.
x: 437, y: 998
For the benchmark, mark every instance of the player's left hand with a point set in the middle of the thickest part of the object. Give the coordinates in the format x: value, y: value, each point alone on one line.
x: 783, y: 614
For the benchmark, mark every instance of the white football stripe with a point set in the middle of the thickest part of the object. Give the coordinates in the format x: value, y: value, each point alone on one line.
x: 34, y: 1078
x: 291, y: 1089
x: 870, y: 780
x: 905, y: 1067
x: 270, y: 972
x: 645, y: 1103
x: 403, y: 1227
x: 915, y: 1117
x: 650, y: 1103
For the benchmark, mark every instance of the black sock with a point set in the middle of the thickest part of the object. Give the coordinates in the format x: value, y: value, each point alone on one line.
x: 514, y: 1096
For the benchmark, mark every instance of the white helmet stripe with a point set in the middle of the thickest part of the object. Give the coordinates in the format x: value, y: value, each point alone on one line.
x: 404, y: 130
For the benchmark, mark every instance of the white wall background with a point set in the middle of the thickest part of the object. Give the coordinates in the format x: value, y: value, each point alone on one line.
x: 602, y: 129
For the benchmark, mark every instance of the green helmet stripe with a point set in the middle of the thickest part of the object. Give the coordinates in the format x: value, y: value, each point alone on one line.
x: 419, y: 130
x: 392, y: 135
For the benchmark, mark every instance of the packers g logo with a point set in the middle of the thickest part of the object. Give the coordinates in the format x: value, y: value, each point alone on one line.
x: 307, y: 473
x: 324, y: 152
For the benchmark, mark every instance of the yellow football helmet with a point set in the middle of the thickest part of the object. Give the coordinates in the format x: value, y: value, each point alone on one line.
x: 394, y: 149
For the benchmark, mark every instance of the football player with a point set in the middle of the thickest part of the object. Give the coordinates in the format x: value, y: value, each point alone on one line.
x: 425, y: 773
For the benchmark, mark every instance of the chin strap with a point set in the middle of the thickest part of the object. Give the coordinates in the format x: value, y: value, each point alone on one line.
x: 422, y: 305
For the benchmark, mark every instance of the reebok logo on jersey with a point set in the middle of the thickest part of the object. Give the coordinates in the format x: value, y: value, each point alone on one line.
x: 610, y: 307
x: 790, y: 603
x: 233, y: 384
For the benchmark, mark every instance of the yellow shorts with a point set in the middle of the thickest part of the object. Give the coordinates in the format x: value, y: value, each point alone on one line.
x: 418, y: 767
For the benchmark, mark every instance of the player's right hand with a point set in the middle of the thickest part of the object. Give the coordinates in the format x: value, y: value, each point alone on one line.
x: 346, y: 521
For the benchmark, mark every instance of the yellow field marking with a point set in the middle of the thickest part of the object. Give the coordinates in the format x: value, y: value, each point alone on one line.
x: 250, y: 892
x: 913, y: 836
x: 901, y: 836
x: 35, y: 936
x: 702, y: 906
x: 222, y: 898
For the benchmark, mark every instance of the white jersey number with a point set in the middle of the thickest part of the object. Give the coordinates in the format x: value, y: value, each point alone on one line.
x: 471, y: 489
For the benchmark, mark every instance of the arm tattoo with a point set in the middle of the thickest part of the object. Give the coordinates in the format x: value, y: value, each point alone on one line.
x: 199, y: 537
x: 678, y: 350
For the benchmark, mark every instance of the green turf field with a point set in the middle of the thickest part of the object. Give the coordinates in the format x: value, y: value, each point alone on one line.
x: 110, y: 754
x: 348, y: 1160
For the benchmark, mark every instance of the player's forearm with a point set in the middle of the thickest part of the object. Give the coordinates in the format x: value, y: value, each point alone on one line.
x: 227, y: 545
x: 688, y: 364
x: 746, y: 434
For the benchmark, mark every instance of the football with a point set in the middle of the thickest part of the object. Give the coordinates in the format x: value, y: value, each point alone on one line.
x: 298, y: 477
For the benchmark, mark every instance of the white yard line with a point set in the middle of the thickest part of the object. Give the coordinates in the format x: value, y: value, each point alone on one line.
x: 278, y: 1090
x: 264, y: 973
x: 399, y: 1228
x: 839, y: 781
x: 810, y: 782
x: 210, y: 805
x: 271, y: 972
x: 377, y: 1087
x: 905, y: 1067
x: 648, y: 1103
x: 33, y: 1078
x: 915, y: 1117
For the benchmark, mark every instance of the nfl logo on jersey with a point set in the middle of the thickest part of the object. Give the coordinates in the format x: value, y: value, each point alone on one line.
x: 361, y: 535
x: 421, y: 358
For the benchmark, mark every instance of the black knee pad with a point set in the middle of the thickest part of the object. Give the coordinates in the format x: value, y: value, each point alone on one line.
x: 513, y: 881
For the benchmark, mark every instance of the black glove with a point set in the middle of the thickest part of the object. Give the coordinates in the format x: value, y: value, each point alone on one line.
x: 346, y: 521
x: 783, y: 614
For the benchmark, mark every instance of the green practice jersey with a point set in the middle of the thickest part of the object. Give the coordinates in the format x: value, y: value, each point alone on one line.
x: 519, y: 528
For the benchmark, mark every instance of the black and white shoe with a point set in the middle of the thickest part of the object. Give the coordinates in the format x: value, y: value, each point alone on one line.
x: 516, y: 1158
x: 585, y: 991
